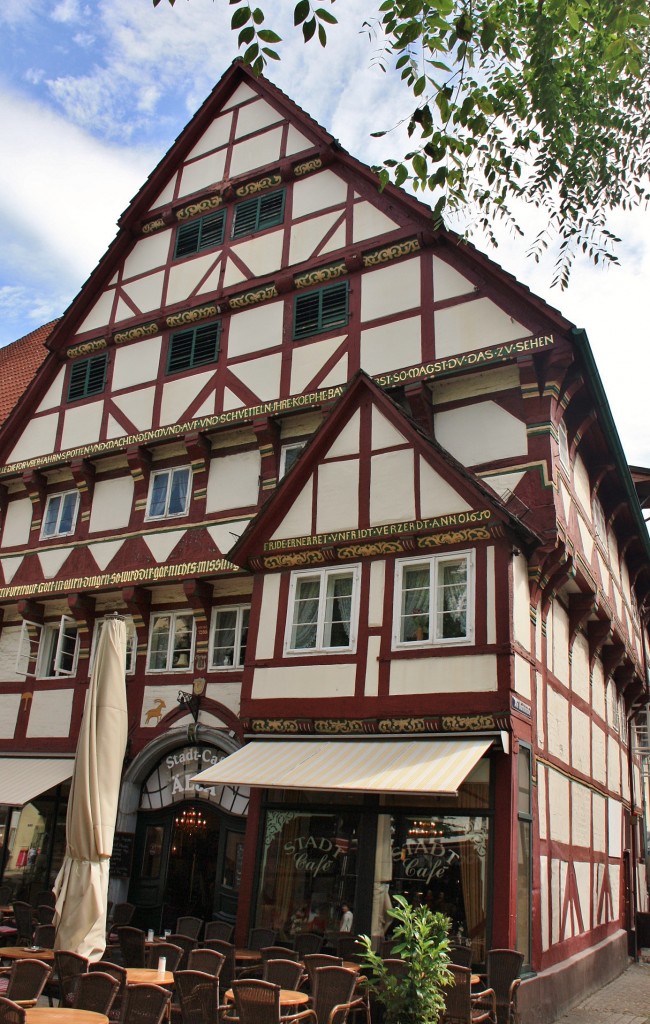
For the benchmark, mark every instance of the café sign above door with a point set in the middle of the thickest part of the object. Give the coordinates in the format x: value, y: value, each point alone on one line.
x: 171, y: 782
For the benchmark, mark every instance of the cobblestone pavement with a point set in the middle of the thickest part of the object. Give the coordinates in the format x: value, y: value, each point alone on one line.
x: 626, y: 1000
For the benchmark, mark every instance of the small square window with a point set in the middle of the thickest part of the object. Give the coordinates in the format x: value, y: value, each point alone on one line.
x: 229, y: 636
x: 58, y: 649
x: 256, y: 214
x: 169, y: 493
x: 289, y: 454
x: 321, y: 310
x: 204, y: 233
x: 434, y: 600
x: 171, y: 642
x: 87, y: 377
x: 196, y: 346
x: 323, y: 610
x: 60, y: 515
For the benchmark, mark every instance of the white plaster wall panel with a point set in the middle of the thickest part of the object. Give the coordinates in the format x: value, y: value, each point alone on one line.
x: 503, y: 483
x: 233, y: 274
x: 185, y: 276
x: 522, y: 677
x: 112, y: 504
x: 105, y: 552
x: 228, y: 694
x: 614, y: 829
x: 100, y: 313
x: 473, y: 325
x: 147, y: 254
x: 379, y: 344
x: 268, y: 617
x: 255, y: 116
x: 9, y: 708
x: 392, y: 495
x: 469, y: 674
x: 53, y: 394
x: 297, y: 522
x: 123, y: 311
x: 583, y: 884
x: 318, y: 192
x: 145, y: 293
x: 17, y: 521
x: 307, y: 360
x: 565, y: 500
x: 556, y: 899
x: 560, y: 642
x: 585, y: 537
x: 307, y: 236
x: 82, y: 424
x: 212, y: 282
x: 598, y: 765
x: 448, y: 283
x: 257, y: 152
x: 261, y: 375
x: 384, y: 434
x: 10, y: 567
x: 52, y: 560
x: 618, y: 602
x: 549, y: 636
x: 542, y: 782
x: 215, y: 135
x: 376, y: 593
x: 161, y: 545
x: 337, y: 375
x: 604, y: 572
x: 390, y: 289
x: 615, y: 883
x: 521, y: 601
x: 613, y: 764
x: 50, y: 713
x: 241, y: 94
x: 541, y: 718
x: 545, y: 924
x: 371, y: 685
x: 296, y: 141
x: 490, y: 595
x: 202, y: 173
x: 369, y: 221
x: 347, y: 441
x: 581, y: 485
x: 336, y: 479
x: 137, y: 406
x: 36, y: 439
x: 598, y: 916
x: 336, y: 240
x: 598, y: 688
x: 226, y: 535
x: 230, y: 400
x: 179, y: 393
x: 558, y: 724
x: 9, y: 644
x: 294, y: 682
x: 458, y: 389
x: 166, y: 695
x: 625, y: 786
x: 113, y: 428
x: 437, y: 497
x: 256, y: 329
x: 558, y: 803
x: 580, y: 682
x: 482, y: 432
x: 580, y: 741
x: 580, y: 815
x: 136, y: 364
x: 233, y: 481
x: 262, y: 255
x: 166, y: 195
x: 598, y: 811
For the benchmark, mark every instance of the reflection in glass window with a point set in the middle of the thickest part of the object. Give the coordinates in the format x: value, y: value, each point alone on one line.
x: 60, y: 514
x: 229, y: 637
x: 169, y: 493
x: 171, y: 642
x: 322, y: 610
x: 434, y: 600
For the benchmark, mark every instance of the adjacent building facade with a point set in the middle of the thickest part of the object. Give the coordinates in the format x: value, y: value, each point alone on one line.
x: 360, y: 499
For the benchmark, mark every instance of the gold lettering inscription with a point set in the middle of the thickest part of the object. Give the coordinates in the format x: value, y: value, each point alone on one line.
x: 387, y: 530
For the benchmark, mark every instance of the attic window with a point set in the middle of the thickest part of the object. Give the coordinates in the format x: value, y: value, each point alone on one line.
x: 259, y: 213
x: 322, y: 310
x: 87, y: 377
x: 204, y: 233
x: 193, y: 347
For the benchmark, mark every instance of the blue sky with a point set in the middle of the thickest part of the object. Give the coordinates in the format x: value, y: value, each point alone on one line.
x: 93, y: 92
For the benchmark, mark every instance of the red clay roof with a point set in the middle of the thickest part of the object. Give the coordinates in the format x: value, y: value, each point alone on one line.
x: 18, y: 365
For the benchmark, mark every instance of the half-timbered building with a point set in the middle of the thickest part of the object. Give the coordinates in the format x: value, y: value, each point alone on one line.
x: 360, y: 498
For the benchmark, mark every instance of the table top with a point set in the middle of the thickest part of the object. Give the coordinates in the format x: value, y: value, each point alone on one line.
x: 63, y: 1015
x: 23, y: 953
x: 352, y: 965
x: 288, y: 997
x: 247, y: 954
x: 148, y: 976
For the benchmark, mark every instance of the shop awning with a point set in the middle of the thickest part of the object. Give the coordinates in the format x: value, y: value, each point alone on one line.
x: 357, y: 766
x: 23, y: 778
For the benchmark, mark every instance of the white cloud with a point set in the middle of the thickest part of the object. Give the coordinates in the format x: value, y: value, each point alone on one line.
x: 66, y: 11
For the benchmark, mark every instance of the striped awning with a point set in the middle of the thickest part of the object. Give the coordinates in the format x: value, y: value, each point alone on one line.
x: 356, y: 766
x: 23, y: 778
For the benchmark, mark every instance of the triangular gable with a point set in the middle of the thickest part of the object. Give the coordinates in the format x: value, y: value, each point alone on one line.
x: 369, y: 474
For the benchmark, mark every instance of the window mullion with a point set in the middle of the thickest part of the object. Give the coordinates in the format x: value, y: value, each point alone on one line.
x: 322, y: 604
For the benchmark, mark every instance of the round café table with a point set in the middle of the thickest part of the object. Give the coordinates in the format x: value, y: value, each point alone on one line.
x: 148, y: 976
x: 288, y: 997
x: 63, y: 1015
x: 248, y: 956
x: 25, y: 953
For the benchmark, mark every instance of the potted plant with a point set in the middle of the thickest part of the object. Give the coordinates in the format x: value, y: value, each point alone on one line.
x: 420, y: 938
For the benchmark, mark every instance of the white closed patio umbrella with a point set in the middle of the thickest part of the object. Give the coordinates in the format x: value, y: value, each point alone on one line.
x: 81, y: 886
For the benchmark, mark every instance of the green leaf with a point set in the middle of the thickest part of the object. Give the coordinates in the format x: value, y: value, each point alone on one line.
x: 325, y: 15
x: 419, y: 86
x: 258, y: 16
x: 271, y: 54
x: 246, y: 35
x: 267, y: 36
x: 308, y: 29
x: 301, y: 11
x: 420, y: 165
x: 240, y: 17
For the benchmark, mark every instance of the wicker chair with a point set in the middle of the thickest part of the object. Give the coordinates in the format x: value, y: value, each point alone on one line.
x: 44, y: 935
x: 348, y: 946
x: 45, y: 897
x: 285, y: 973
x: 218, y: 930
x: 186, y: 944
x: 396, y: 967
x: 119, y: 973
x: 68, y: 967
x: 172, y: 953
x: 45, y: 913
x: 278, y: 953
x: 502, y: 967
x: 228, y: 969
x: 198, y: 996
x: 145, y: 1004
x: 10, y: 1012
x: 96, y: 991
x: 190, y: 926
x: 207, y: 961
x: 27, y: 979
x: 333, y: 995
x: 306, y: 943
x: 460, y: 955
x: 260, y: 937
x: 24, y: 921
x: 461, y: 1007
x: 132, y: 946
x: 122, y: 914
x: 315, y: 960
x: 258, y: 1002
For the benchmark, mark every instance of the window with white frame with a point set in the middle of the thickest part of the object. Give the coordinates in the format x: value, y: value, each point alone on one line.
x: 598, y: 517
x: 289, y: 455
x: 131, y: 643
x: 171, y: 642
x: 434, y: 600
x: 228, y: 636
x: 323, y: 610
x: 60, y: 514
x: 563, y: 442
x: 48, y: 651
x: 169, y: 493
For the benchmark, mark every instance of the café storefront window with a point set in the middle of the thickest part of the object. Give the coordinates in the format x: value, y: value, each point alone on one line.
x: 34, y: 843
